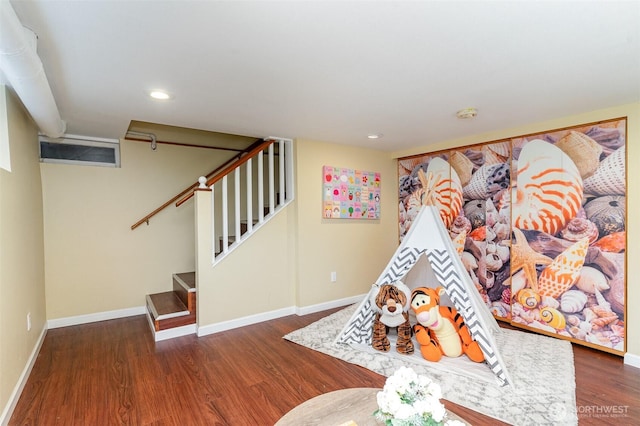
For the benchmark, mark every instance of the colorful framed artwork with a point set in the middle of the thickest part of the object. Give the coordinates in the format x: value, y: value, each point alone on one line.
x: 350, y: 194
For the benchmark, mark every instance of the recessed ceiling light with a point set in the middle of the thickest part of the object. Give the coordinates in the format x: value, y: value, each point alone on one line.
x: 160, y: 95
x: 467, y: 113
x: 375, y: 136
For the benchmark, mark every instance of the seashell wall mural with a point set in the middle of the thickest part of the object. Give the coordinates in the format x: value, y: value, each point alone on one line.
x: 562, y: 193
x: 579, y: 228
x: 607, y: 213
x: 584, y: 151
x: 487, y: 181
x: 564, y: 271
x: 447, y: 188
x: 609, y: 177
x: 462, y: 165
x: 548, y: 188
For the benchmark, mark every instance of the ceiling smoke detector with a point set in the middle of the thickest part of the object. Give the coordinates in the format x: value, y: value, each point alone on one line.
x: 467, y: 113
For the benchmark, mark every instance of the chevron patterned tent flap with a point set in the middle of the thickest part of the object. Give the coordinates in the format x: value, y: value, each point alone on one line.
x: 428, y: 236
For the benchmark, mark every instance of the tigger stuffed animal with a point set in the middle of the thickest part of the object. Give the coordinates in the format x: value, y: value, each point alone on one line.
x: 441, y: 329
x: 391, y: 304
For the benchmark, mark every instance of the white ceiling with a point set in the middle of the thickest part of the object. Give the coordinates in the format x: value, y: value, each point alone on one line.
x: 334, y: 70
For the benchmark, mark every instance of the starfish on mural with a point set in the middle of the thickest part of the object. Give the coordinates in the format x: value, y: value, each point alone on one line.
x: 525, y: 258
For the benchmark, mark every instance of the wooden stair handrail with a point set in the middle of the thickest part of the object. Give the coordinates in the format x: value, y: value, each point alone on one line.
x: 231, y: 167
x: 195, y: 185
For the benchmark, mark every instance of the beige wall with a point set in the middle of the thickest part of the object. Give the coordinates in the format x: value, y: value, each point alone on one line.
x: 94, y: 261
x: 289, y: 262
x: 357, y: 250
x: 22, y: 284
x: 631, y: 111
x: 251, y: 280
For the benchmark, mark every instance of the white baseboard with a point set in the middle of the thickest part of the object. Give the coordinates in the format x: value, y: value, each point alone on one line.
x: 207, y: 329
x: 266, y: 316
x: 98, y: 316
x: 171, y: 333
x: 159, y: 336
x: 632, y: 360
x: 22, y: 380
x: 329, y: 305
x: 244, y: 321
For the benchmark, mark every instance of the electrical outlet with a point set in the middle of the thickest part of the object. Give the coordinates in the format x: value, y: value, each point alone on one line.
x: 334, y: 277
x: 29, y: 321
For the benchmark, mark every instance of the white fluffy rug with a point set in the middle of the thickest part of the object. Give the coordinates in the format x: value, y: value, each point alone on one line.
x: 541, y: 368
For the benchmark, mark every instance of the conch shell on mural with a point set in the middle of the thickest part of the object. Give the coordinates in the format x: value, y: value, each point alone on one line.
x: 462, y: 165
x: 584, y: 151
x: 487, y: 181
x: 564, y: 271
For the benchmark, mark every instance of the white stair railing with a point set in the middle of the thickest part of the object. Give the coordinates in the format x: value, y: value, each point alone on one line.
x: 240, y: 208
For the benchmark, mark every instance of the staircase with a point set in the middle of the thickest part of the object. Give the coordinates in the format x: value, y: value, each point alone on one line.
x: 173, y: 313
x: 243, y: 230
x: 248, y: 193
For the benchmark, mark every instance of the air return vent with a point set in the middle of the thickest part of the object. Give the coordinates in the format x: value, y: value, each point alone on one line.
x: 81, y: 150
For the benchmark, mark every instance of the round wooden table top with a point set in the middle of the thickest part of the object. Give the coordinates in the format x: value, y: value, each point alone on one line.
x: 339, y: 408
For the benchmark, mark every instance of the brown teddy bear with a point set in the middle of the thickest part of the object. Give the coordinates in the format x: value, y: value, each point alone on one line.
x: 391, y: 304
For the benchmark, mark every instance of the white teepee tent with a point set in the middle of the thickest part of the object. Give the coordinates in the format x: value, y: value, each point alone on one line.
x: 428, y: 236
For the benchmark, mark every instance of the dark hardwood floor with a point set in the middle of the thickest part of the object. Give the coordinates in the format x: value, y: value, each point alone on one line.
x: 112, y: 372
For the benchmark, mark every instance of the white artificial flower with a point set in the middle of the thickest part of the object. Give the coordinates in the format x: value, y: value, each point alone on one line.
x: 454, y: 423
x: 423, y: 406
x: 410, y: 399
x: 423, y: 381
x: 389, y: 402
x: 429, y: 405
x: 404, y: 412
x: 438, y: 412
x: 434, y: 390
x: 395, y: 381
x: 405, y: 374
x: 381, y: 398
